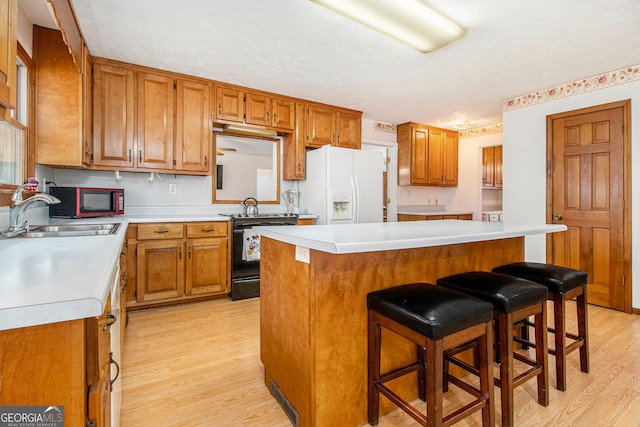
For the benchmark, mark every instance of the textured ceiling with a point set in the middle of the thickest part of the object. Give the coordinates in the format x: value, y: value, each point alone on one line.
x: 297, y: 48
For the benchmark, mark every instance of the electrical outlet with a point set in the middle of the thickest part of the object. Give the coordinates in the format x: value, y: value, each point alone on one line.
x: 302, y: 254
x: 173, y: 188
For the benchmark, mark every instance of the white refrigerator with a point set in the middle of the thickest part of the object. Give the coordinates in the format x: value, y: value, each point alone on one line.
x: 343, y: 186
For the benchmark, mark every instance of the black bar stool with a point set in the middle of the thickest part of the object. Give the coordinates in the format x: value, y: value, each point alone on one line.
x: 563, y: 284
x: 513, y: 299
x: 435, y: 319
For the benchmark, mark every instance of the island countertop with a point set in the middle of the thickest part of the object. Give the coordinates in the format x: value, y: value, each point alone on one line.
x: 313, y: 303
x: 355, y: 238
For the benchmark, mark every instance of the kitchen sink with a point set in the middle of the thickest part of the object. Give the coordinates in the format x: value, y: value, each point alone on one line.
x: 69, y: 230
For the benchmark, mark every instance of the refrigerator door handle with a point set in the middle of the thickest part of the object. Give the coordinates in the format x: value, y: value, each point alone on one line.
x: 356, y: 199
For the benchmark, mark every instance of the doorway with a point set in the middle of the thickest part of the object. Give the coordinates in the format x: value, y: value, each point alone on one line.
x: 589, y: 190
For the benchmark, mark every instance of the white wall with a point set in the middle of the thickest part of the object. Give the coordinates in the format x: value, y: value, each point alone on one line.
x: 524, y: 160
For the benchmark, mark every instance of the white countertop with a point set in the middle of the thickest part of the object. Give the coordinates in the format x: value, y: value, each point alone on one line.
x: 354, y: 238
x: 48, y: 280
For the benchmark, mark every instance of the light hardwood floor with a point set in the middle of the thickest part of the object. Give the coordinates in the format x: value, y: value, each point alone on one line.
x: 199, y: 365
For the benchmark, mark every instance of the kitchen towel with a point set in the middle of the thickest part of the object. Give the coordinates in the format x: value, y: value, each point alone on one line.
x: 250, y: 245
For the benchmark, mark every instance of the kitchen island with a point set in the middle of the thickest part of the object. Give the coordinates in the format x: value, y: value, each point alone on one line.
x: 314, y: 282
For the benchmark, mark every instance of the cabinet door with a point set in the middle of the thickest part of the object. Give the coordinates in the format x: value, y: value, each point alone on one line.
x: 113, y: 116
x: 98, y: 368
x: 450, y: 158
x: 229, y: 104
x: 497, y: 166
x: 160, y: 270
x: 207, y: 266
x: 193, y: 130
x: 99, y: 404
x: 155, y: 142
x: 87, y: 106
x: 488, y: 161
x: 321, y: 122
x: 294, y: 148
x: 349, y: 127
x: 411, y: 217
x: 443, y: 157
x: 59, y: 113
x: 257, y: 109
x: 284, y: 113
x: 43, y: 364
x: 435, y: 154
x: 419, y: 155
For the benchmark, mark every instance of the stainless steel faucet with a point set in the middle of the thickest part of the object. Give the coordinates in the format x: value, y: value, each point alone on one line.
x: 18, y: 207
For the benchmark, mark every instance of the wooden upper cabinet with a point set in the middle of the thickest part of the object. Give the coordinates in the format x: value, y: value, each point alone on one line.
x: 328, y: 125
x: 257, y: 109
x: 443, y: 158
x: 413, y: 147
x: 488, y: 162
x: 155, y: 141
x: 492, y: 167
x: 427, y: 155
x: 294, y: 149
x: 113, y: 116
x: 229, y: 105
x: 172, y: 121
x: 193, y: 126
x: 87, y: 107
x: 61, y: 99
x: 498, y: 166
x: 321, y: 122
x: 283, y: 113
x: 349, y: 127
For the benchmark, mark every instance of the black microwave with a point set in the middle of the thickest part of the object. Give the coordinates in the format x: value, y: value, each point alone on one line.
x: 86, y: 202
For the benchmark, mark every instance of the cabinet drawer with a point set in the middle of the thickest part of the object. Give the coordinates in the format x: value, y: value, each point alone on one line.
x: 206, y: 229
x: 160, y: 231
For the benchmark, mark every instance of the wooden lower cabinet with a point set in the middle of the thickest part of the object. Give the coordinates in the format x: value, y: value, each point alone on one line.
x: 176, y: 262
x: 306, y: 221
x: 160, y: 270
x: 65, y: 364
x: 417, y: 217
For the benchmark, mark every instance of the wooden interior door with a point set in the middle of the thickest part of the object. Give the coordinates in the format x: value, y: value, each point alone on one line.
x: 588, y: 187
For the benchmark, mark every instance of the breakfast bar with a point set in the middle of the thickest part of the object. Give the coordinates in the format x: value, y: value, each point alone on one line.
x: 314, y: 283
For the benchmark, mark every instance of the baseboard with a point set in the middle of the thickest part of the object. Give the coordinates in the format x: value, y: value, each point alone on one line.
x: 635, y: 310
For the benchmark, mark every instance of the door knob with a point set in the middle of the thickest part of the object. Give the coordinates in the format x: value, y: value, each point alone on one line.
x: 558, y: 217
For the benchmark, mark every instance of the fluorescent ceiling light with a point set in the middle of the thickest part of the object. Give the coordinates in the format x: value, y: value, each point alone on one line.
x: 410, y: 21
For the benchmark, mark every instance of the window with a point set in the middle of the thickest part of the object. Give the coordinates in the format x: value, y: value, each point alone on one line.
x: 15, y: 165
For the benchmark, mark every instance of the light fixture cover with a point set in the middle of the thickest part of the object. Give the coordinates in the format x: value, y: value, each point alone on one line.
x: 410, y: 21
x: 245, y: 130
